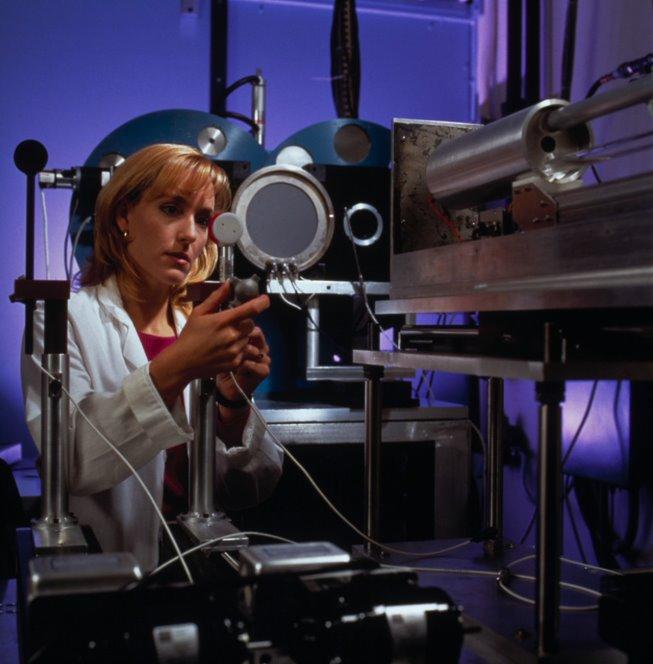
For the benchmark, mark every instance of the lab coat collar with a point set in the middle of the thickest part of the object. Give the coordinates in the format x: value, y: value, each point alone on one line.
x: 111, y: 302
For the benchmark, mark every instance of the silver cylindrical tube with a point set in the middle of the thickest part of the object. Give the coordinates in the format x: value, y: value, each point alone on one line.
x: 494, y: 458
x: 202, y: 467
x: 312, y: 334
x: 602, y: 104
x: 481, y: 165
x: 54, y: 439
x: 258, y: 108
x: 372, y: 454
x: 225, y: 262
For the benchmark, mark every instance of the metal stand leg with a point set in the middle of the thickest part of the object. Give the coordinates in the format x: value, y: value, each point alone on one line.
x: 204, y: 522
x: 494, y: 466
x: 56, y: 531
x: 549, y: 519
x: 373, y: 377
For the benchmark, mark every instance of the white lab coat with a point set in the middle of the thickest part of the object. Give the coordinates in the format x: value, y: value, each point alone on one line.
x: 109, y: 378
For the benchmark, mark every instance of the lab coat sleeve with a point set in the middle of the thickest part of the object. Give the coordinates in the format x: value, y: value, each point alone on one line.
x: 247, y: 474
x: 133, y: 417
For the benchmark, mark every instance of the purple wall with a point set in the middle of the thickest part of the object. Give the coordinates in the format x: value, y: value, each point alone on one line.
x: 74, y: 70
x: 71, y: 72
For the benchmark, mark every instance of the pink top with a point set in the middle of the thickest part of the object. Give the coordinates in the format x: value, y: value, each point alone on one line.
x: 175, y: 479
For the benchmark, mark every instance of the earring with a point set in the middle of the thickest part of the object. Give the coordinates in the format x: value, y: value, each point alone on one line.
x: 125, y: 235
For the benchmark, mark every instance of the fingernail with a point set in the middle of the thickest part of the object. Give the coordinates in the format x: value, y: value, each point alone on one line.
x: 260, y: 356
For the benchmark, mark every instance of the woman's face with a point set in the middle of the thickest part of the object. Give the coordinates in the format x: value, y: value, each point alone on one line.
x: 167, y: 233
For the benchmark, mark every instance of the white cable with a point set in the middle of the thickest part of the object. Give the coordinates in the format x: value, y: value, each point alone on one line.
x: 479, y: 434
x: 569, y: 561
x: 77, y: 236
x: 46, y: 241
x: 216, y: 540
x: 441, y: 570
x: 564, y: 584
x: 322, y: 495
x: 230, y: 560
x: 131, y: 468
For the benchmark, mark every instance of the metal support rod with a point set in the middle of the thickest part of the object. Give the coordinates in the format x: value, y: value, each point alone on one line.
x: 312, y: 333
x: 494, y: 462
x: 373, y: 399
x: 549, y: 517
x: 225, y: 262
x: 56, y: 530
x: 605, y: 103
x: 54, y: 429
x: 258, y: 107
x: 202, y: 470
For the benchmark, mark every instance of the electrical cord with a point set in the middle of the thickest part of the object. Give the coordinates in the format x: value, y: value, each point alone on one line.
x: 212, y: 542
x: 75, y: 243
x: 133, y: 471
x: 46, y: 241
x: 68, y: 239
x: 506, y: 573
x: 325, y: 498
x: 361, y: 283
x: 574, y: 439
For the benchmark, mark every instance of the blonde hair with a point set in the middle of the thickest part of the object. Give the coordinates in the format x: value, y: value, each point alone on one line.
x: 153, y: 170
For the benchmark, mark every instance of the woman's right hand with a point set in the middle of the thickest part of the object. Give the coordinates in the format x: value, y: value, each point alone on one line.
x: 212, y: 342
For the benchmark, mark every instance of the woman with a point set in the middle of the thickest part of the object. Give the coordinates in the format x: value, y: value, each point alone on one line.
x: 134, y: 347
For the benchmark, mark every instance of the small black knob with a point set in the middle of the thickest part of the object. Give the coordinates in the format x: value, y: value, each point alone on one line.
x: 30, y: 157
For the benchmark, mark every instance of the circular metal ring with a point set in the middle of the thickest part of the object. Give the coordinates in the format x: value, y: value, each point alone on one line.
x: 288, y: 217
x: 355, y: 209
x: 211, y: 141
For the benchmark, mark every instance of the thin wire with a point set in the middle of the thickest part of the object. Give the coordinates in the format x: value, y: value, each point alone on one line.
x: 46, y: 241
x: 441, y: 570
x: 361, y: 283
x: 324, y: 497
x: 131, y: 468
x: 67, y: 238
x: 77, y: 236
x: 479, y: 434
x: 230, y: 560
x: 564, y: 584
x: 217, y: 540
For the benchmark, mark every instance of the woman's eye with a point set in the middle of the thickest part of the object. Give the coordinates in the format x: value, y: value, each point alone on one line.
x: 203, y: 219
x: 170, y: 209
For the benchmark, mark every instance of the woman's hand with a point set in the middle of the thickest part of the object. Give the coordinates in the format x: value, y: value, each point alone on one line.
x: 254, y: 368
x: 212, y: 342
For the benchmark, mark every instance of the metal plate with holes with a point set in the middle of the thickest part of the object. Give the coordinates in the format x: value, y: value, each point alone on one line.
x: 415, y: 224
x: 288, y: 217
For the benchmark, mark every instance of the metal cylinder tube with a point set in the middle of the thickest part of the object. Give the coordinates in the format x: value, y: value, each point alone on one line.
x: 494, y: 459
x: 602, y: 104
x: 202, y: 467
x: 54, y: 439
x: 225, y: 262
x: 258, y: 108
x: 372, y: 454
x: 481, y: 165
x: 549, y: 517
x: 313, y: 334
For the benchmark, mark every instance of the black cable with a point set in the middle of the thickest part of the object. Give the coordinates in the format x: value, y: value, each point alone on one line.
x: 242, y: 118
x: 574, y: 527
x: 568, y: 49
x: 569, y: 450
x: 252, y: 78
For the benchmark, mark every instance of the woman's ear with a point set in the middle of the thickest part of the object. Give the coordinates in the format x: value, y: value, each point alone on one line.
x: 122, y: 221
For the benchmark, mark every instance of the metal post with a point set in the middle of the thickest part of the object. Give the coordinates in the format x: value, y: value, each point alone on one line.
x: 494, y: 465
x: 258, y: 107
x: 550, y: 394
x: 373, y: 399
x: 204, y: 521
x: 312, y: 333
x: 225, y: 262
x: 56, y: 530
x: 202, y: 470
